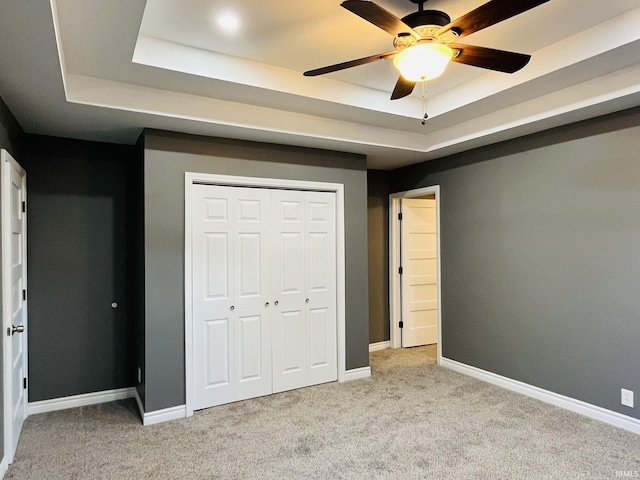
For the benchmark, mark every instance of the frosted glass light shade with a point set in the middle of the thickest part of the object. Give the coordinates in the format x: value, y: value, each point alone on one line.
x: 424, y: 61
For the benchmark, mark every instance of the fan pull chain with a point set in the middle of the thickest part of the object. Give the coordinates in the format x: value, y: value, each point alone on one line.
x: 424, y: 103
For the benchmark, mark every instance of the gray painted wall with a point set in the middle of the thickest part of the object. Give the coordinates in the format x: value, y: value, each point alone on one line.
x: 10, y: 133
x: 378, y: 228
x: 78, y: 247
x: 135, y: 201
x: 541, y: 257
x: 167, y: 157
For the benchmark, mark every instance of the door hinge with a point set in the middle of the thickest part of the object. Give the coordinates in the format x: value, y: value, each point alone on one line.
x: 24, y: 383
x: 24, y: 295
x: 401, y: 324
x: 400, y: 216
x: 24, y: 207
x: 400, y: 270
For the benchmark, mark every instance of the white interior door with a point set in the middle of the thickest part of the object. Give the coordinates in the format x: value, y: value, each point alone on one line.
x: 419, y: 272
x: 321, y: 287
x: 14, y: 276
x: 289, y: 290
x: 231, y: 330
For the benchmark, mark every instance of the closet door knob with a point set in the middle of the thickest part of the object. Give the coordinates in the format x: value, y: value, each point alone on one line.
x: 232, y: 307
x: 276, y: 303
x: 307, y: 300
x: 266, y: 304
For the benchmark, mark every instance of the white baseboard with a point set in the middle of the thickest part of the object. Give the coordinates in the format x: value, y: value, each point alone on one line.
x: 83, y: 400
x: 4, y: 466
x: 139, y: 403
x: 568, y: 403
x: 164, y: 415
x: 159, y: 416
x: 357, y: 373
x: 374, y: 347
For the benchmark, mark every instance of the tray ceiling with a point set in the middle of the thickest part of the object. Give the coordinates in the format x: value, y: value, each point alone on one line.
x: 105, y: 70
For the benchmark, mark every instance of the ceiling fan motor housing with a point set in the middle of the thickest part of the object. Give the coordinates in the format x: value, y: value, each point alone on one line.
x: 427, y: 17
x: 425, y: 23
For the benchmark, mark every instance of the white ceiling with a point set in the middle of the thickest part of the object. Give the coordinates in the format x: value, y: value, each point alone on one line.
x: 100, y: 70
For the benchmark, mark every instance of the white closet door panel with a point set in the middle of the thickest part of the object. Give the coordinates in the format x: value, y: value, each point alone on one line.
x: 250, y: 268
x: 293, y: 328
x: 290, y: 320
x: 213, y: 278
x: 253, y: 376
x: 321, y: 287
x: 289, y: 355
x: 320, y: 351
x: 217, y: 261
x: 252, y: 342
x: 217, y: 366
x: 291, y: 254
x: 217, y: 348
x: 231, y: 329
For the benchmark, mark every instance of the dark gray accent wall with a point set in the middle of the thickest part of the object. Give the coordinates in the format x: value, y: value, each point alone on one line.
x: 540, y: 246
x: 167, y: 157
x: 378, y: 235
x: 78, y: 250
x: 10, y: 132
x: 10, y: 139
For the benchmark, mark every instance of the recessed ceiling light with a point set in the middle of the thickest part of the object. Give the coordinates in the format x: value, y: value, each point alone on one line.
x: 228, y: 22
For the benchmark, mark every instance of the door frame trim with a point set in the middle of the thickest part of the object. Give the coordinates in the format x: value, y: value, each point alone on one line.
x: 395, y: 304
x: 237, y: 181
x: 7, y: 161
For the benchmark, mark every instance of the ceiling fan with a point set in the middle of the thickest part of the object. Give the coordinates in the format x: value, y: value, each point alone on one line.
x: 425, y: 41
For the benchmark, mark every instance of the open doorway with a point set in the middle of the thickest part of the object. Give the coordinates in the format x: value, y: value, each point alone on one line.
x: 414, y: 269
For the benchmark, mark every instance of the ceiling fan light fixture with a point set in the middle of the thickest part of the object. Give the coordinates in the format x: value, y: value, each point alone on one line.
x: 424, y: 61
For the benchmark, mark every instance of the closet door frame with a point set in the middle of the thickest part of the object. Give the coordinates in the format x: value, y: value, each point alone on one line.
x: 192, y: 178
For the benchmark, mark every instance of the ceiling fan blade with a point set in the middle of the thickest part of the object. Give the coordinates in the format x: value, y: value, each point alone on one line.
x: 499, y: 60
x: 380, y: 17
x: 403, y: 88
x: 349, y: 64
x: 489, y: 14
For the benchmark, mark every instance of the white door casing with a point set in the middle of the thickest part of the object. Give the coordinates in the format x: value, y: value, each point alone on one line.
x: 192, y: 180
x: 289, y: 273
x: 14, y: 284
x: 395, y: 303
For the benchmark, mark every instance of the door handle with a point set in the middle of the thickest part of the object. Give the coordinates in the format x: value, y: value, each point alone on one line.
x: 232, y: 307
x: 18, y: 329
x: 266, y: 304
x: 276, y: 303
x: 306, y: 301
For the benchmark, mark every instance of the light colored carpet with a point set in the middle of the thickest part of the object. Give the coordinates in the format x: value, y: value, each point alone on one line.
x: 411, y: 420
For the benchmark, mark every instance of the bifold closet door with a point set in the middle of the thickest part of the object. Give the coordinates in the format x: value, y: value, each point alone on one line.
x: 231, y: 291
x: 304, y: 289
x: 264, y: 292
